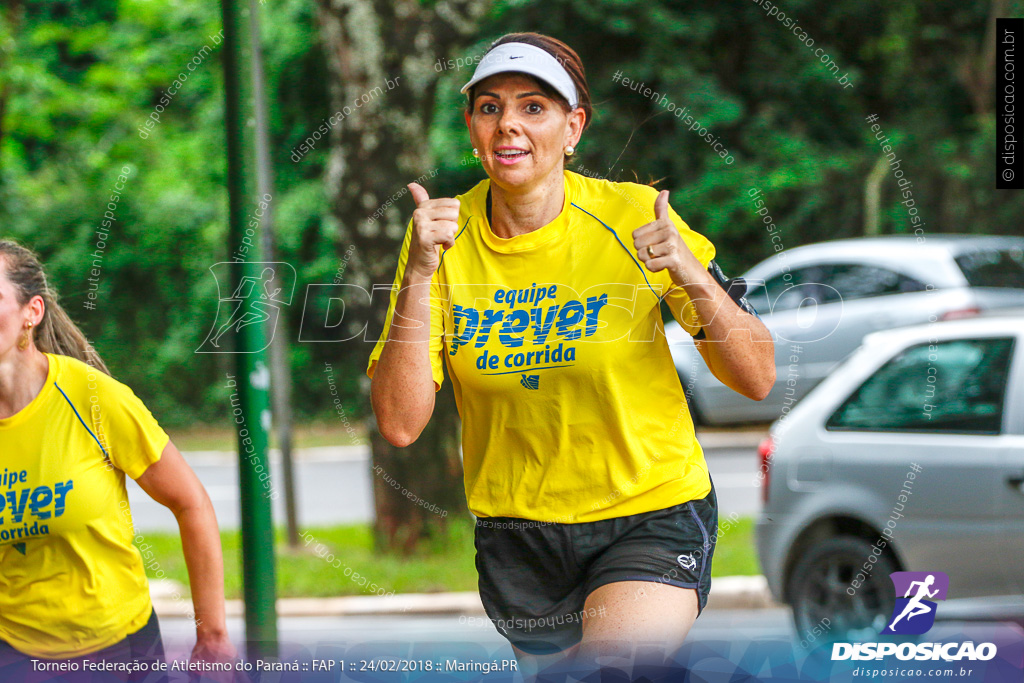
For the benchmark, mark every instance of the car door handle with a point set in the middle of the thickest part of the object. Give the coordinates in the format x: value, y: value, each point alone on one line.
x: 1016, y: 482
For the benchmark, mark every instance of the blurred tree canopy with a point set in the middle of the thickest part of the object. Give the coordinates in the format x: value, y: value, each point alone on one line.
x: 79, y: 79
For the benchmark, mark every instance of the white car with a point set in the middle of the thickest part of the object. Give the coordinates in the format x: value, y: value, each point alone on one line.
x: 821, y: 299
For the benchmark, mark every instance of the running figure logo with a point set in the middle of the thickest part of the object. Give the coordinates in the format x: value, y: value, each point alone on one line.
x: 914, y: 613
x: 256, y: 300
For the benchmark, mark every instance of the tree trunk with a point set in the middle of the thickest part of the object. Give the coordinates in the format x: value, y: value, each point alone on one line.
x: 977, y: 71
x: 873, y: 197
x: 375, y: 149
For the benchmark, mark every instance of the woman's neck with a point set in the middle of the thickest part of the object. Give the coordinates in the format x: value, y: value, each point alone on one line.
x: 21, y: 379
x: 518, y: 213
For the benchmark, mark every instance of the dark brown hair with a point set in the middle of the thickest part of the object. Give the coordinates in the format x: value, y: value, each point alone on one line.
x: 565, y: 56
x: 56, y: 333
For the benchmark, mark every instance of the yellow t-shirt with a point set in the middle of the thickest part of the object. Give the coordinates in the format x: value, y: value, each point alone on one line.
x: 572, y: 409
x: 71, y: 582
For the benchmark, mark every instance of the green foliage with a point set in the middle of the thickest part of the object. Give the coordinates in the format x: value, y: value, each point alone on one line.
x: 78, y: 79
x: 81, y: 81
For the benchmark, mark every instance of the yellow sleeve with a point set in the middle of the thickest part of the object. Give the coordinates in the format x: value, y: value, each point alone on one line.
x: 676, y: 298
x: 133, y: 438
x: 436, y: 317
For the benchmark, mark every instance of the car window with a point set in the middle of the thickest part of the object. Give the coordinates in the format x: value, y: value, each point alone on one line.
x: 993, y: 268
x: 828, y: 283
x: 859, y: 281
x: 780, y: 293
x: 954, y: 387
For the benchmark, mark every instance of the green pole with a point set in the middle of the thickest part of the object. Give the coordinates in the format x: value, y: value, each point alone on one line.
x: 253, y: 375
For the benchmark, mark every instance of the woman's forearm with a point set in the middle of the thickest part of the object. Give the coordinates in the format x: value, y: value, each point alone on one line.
x: 200, y: 544
x: 739, y: 346
x: 402, y: 390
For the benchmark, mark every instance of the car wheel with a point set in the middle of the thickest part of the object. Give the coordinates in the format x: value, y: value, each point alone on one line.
x: 823, y: 609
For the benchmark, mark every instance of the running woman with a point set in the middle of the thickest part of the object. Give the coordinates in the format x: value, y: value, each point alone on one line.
x: 541, y: 289
x: 72, y: 584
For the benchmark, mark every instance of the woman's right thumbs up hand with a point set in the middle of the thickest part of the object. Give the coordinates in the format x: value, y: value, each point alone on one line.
x: 434, y: 225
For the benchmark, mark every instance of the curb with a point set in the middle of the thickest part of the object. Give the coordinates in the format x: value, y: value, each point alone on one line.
x: 726, y: 438
x: 741, y: 592
x: 727, y: 592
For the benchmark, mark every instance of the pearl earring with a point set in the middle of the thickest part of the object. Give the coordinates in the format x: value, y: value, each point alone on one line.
x: 569, y: 151
x: 476, y: 152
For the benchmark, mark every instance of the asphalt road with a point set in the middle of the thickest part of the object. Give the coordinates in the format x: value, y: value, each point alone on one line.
x: 334, y: 485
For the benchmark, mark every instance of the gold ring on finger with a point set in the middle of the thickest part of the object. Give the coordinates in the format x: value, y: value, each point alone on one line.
x: 650, y: 251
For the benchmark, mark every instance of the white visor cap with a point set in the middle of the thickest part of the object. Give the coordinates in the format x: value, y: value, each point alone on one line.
x: 527, y: 59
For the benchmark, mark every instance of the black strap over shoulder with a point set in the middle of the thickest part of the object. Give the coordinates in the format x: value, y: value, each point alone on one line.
x: 735, y: 287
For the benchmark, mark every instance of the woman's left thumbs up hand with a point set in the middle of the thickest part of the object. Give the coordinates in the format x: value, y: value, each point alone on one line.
x: 659, y: 245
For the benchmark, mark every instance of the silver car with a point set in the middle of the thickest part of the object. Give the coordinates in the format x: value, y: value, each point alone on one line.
x: 909, y: 457
x: 823, y: 298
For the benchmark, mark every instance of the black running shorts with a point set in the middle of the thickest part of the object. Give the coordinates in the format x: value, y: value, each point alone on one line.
x: 535, y: 576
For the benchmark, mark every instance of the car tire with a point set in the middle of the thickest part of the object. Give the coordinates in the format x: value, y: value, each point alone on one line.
x: 823, y: 609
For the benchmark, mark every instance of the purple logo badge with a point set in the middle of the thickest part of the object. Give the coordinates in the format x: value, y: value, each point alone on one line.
x: 915, y: 595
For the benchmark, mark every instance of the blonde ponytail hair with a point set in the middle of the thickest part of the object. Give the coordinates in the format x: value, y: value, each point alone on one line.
x: 56, y: 333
